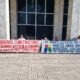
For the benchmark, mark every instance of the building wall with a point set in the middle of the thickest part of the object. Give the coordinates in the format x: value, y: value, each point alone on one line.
x: 58, y: 19
x: 73, y: 28
x: 4, y: 19
x: 13, y: 17
x: 69, y: 19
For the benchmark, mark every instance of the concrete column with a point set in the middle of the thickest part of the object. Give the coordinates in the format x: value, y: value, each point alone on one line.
x: 79, y: 20
x: 74, y: 19
x: 4, y: 19
x: 58, y: 18
x: 70, y: 7
x: 13, y: 14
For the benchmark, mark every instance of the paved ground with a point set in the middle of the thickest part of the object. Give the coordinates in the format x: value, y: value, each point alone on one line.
x: 39, y: 67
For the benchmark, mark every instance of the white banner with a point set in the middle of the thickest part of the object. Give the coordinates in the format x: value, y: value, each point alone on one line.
x: 60, y: 47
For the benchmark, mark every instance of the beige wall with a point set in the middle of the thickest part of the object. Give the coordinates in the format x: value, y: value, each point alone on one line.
x: 75, y: 19
x: 4, y: 19
x: 79, y: 19
x: 58, y: 18
x: 13, y: 19
x: 69, y: 19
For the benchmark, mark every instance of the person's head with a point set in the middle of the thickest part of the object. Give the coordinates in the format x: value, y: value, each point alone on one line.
x: 45, y: 38
x: 21, y: 36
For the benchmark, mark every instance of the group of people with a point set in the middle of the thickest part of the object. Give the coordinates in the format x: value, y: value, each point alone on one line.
x: 55, y: 39
x: 45, y: 38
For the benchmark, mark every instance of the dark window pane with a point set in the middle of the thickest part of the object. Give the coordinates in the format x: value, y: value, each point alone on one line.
x: 49, y: 19
x: 65, y: 19
x: 40, y: 5
x: 64, y: 30
x: 31, y: 18
x: 30, y: 31
x: 50, y: 6
x: 40, y: 19
x: 45, y: 31
x: 21, y: 18
x: 22, y: 31
x: 66, y: 3
x: 21, y: 5
x: 27, y: 31
x: 31, y: 5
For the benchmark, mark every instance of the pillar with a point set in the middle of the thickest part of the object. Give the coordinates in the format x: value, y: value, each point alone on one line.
x: 4, y: 19
x: 74, y: 19
x: 13, y: 19
x: 58, y: 18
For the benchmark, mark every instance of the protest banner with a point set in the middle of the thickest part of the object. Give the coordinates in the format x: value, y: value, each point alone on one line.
x: 60, y: 47
x: 19, y: 45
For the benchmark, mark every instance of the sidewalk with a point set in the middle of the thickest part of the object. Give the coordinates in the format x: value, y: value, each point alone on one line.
x: 39, y: 67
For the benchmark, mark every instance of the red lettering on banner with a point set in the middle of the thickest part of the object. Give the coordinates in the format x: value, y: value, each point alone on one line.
x: 19, y: 45
x: 1, y: 50
x: 19, y: 41
x: 5, y: 46
x: 31, y: 42
x: 6, y: 42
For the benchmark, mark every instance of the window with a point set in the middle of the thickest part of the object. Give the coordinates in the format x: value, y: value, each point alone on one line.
x: 40, y: 5
x: 65, y: 18
x: 35, y: 18
x: 21, y: 5
x: 27, y: 31
x: 31, y: 5
x: 44, y: 31
x: 49, y: 19
x: 50, y: 6
x: 40, y: 19
x: 64, y: 30
x: 21, y: 18
x: 31, y: 18
x: 66, y: 3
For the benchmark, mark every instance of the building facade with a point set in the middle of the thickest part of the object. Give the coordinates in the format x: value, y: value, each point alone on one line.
x: 36, y: 19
